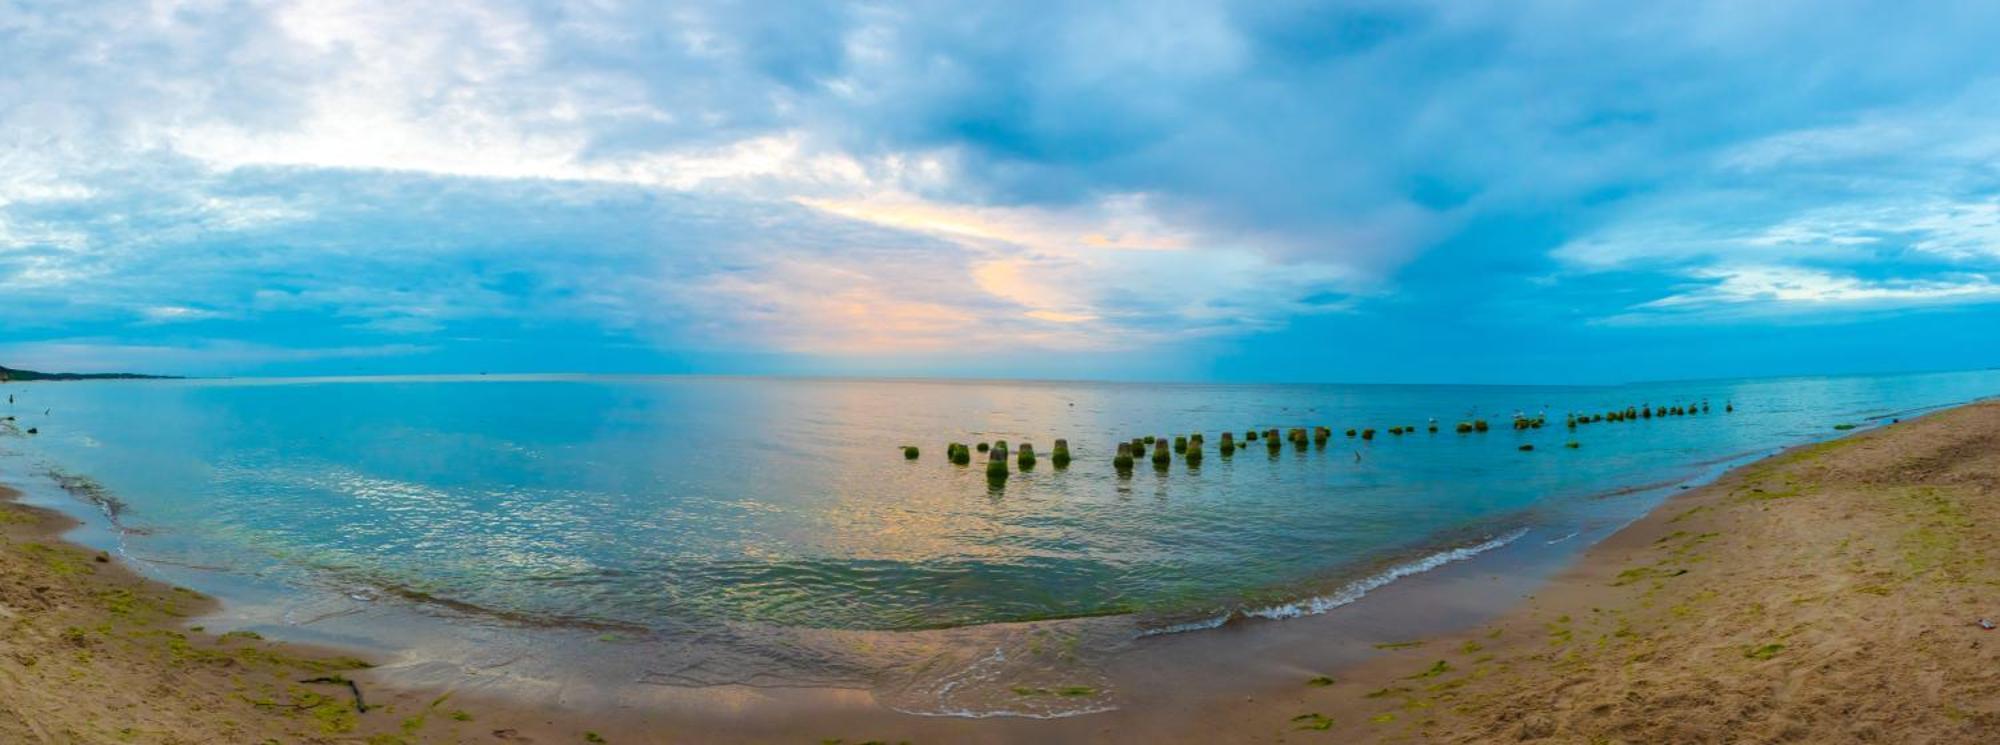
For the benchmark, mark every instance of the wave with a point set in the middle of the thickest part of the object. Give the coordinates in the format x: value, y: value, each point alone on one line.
x: 985, y: 673
x: 1346, y: 595
x: 1197, y: 625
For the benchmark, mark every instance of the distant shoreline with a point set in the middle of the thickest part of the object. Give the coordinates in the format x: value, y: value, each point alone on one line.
x: 11, y: 375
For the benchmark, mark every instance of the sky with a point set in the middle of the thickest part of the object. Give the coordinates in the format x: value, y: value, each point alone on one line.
x: 1458, y: 191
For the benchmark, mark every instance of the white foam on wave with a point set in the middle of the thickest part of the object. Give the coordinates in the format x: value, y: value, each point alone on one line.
x: 1200, y: 625
x: 1317, y: 605
x: 1353, y: 591
x: 1554, y: 541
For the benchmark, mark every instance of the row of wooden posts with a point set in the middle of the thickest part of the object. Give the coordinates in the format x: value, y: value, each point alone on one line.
x: 1189, y: 447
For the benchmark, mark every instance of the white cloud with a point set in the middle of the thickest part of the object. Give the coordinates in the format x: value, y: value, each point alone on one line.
x: 1892, y: 208
x: 179, y: 314
x: 1056, y: 177
x: 1783, y: 286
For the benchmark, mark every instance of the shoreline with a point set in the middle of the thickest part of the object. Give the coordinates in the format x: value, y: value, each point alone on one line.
x: 1830, y: 592
x: 1185, y: 706
x: 95, y: 652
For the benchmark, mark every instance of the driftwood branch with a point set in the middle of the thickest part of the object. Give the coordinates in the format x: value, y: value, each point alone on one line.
x: 360, y: 706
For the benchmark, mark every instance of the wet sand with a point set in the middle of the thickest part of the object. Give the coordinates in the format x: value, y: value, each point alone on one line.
x: 92, y: 653
x: 1829, y: 594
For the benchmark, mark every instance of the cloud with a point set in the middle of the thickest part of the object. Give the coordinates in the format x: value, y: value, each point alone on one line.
x: 519, y: 108
x: 1779, y: 289
x: 195, y: 358
x: 1894, y: 206
x: 852, y: 179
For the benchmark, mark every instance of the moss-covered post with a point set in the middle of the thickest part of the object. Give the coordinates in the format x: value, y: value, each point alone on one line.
x: 909, y: 452
x: 1228, y: 444
x: 1123, y: 460
x: 996, y: 466
x: 1193, y: 455
x: 1180, y: 444
x: 1026, y: 457
x: 1161, y: 458
x: 960, y: 454
x: 1061, y: 456
x: 1367, y: 434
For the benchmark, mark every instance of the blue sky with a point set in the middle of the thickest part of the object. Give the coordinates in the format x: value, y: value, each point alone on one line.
x: 1269, y: 191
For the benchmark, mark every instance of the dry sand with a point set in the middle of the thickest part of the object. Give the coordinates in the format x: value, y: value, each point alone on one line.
x: 1830, y: 594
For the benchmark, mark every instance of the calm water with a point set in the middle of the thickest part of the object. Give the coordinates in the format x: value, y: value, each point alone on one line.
x: 781, y: 511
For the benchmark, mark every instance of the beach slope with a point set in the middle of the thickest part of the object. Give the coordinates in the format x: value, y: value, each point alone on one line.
x: 92, y: 653
x: 1833, y: 593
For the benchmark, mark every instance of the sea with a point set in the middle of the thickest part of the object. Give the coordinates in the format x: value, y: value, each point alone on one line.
x: 717, y: 531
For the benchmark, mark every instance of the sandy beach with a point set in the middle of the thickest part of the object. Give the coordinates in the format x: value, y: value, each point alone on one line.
x: 95, y: 654
x: 1829, y: 594
x: 1834, y: 593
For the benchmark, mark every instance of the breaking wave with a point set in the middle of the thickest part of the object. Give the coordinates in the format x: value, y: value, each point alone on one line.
x: 1346, y: 595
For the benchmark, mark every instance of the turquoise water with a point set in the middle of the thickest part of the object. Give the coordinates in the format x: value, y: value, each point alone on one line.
x: 673, y: 505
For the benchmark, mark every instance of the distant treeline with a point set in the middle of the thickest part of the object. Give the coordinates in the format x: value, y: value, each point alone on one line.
x: 8, y: 373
